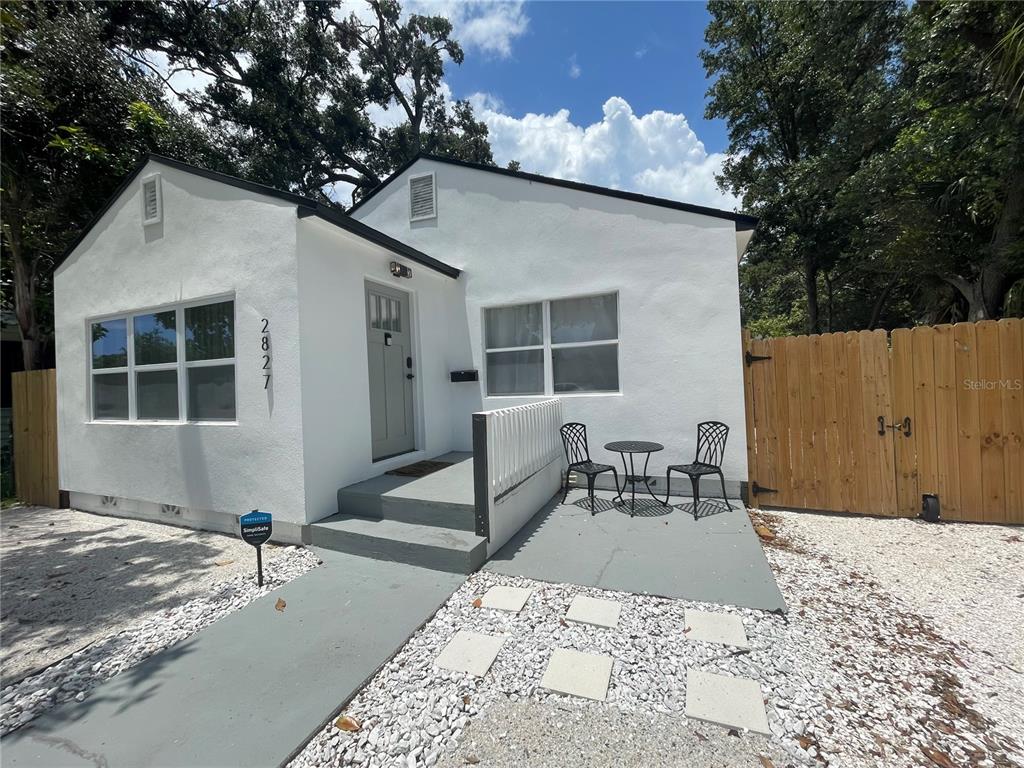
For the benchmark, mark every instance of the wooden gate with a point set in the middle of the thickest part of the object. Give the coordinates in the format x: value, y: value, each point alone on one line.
x: 867, y: 422
x: 34, y: 417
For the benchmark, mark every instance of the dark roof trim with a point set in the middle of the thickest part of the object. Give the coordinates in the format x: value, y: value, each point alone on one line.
x: 305, y: 207
x: 342, y: 220
x: 743, y: 221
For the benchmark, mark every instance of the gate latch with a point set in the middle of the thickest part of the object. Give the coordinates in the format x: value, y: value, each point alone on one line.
x: 903, y: 426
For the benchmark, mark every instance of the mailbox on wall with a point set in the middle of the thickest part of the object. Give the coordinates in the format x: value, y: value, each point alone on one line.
x: 470, y: 375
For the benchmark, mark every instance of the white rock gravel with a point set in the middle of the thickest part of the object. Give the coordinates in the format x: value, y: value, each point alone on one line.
x: 74, y: 676
x: 852, y: 676
x: 70, y: 578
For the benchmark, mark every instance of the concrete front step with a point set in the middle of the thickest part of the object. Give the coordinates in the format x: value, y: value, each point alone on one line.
x: 428, y: 546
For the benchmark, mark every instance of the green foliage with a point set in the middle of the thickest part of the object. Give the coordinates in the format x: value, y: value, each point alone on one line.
x: 881, y: 147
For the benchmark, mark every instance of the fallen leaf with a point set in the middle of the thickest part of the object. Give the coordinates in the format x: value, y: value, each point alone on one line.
x: 465, y: 700
x: 279, y: 605
x: 472, y: 759
x: 223, y: 562
x: 804, y: 741
x: 686, y: 630
x: 347, y: 723
x: 766, y: 762
x: 477, y: 603
x: 938, y: 757
x: 764, y: 532
x: 562, y: 622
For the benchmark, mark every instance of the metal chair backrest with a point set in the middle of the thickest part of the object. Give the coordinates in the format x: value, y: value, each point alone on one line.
x: 574, y: 440
x: 711, y: 437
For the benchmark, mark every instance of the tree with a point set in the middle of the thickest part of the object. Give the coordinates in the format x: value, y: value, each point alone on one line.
x: 75, y: 121
x: 801, y: 87
x: 292, y: 84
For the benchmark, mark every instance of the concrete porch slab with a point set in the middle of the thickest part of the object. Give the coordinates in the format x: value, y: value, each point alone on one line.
x: 470, y: 652
x: 715, y: 558
x: 506, y: 598
x: 720, y: 628
x: 734, y: 702
x: 578, y: 674
x: 590, y: 610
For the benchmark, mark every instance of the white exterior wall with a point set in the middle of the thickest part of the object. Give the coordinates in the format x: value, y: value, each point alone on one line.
x: 214, y: 240
x: 334, y: 266
x: 675, y: 272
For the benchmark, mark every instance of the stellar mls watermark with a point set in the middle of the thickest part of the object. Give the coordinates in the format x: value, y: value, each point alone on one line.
x: 1014, y: 385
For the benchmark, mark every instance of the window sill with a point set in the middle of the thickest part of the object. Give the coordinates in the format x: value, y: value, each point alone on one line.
x: 557, y: 394
x: 154, y: 423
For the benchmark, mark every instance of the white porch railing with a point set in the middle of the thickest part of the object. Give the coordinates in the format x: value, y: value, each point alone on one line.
x: 513, y: 447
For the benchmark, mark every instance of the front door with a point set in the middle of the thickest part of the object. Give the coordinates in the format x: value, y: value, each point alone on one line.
x: 389, y: 344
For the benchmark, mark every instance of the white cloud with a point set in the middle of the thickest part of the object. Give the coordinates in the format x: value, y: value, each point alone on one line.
x: 656, y: 154
x: 640, y: 52
x: 574, y: 67
x: 482, y: 25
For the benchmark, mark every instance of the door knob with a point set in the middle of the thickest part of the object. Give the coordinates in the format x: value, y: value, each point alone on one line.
x: 410, y: 376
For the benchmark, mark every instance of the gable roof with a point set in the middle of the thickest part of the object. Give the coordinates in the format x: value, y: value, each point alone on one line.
x: 305, y: 208
x: 743, y: 221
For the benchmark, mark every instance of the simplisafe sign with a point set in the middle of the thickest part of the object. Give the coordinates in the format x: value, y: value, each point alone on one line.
x: 256, y: 528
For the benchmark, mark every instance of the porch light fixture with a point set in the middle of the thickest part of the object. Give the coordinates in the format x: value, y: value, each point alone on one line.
x: 400, y: 270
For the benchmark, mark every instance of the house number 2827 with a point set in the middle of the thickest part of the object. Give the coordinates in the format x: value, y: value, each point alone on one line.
x: 265, y: 347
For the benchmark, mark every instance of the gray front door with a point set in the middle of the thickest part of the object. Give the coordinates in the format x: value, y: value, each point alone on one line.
x: 389, y: 342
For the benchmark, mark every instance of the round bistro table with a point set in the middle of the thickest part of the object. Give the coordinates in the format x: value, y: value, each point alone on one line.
x: 632, y: 448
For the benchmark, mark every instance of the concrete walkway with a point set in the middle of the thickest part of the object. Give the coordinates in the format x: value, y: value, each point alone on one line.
x: 253, y: 687
x: 716, y: 558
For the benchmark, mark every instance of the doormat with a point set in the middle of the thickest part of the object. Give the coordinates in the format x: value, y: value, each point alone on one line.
x: 420, y: 468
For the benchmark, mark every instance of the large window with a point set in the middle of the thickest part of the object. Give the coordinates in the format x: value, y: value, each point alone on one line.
x: 553, y: 347
x: 165, y: 366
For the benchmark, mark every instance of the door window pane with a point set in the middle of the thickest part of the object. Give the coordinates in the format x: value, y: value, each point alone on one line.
x: 110, y: 344
x: 110, y: 396
x: 211, y: 393
x: 591, y: 318
x: 521, y: 326
x: 515, y: 373
x: 156, y: 395
x: 586, y: 369
x: 155, y: 339
x: 210, y: 331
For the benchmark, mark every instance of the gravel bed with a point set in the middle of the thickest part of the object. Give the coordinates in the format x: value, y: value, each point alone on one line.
x: 70, y: 578
x: 852, y: 676
x: 550, y: 735
x: 74, y: 676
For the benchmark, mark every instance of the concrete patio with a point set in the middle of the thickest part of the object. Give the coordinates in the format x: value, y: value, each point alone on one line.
x: 662, y: 551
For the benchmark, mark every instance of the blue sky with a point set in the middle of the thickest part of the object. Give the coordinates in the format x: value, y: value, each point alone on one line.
x: 643, y: 52
x: 610, y: 93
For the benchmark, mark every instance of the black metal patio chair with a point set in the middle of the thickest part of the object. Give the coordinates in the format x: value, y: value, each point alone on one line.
x: 711, y: 437
x: 577, y: 454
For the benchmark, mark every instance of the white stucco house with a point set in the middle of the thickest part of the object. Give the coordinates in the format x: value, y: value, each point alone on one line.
x: 224, y: 346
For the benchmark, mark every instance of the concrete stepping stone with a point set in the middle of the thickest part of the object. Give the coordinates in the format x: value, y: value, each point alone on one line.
x: 506, y: 598
x: 470, y: 652
x: 733, y: 702
x: 590, y: 610
x: 578, y: 674
x: 721, y: 628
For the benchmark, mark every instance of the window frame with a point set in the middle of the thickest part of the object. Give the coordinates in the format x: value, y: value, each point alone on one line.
x: 547, y: 346
x: 181, y: 365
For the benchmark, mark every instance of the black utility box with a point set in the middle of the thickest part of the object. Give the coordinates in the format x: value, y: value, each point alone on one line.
x: 464, y: 376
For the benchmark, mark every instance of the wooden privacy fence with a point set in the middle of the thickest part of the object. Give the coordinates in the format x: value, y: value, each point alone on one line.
x: 867, y: 421
x: 34, y: 416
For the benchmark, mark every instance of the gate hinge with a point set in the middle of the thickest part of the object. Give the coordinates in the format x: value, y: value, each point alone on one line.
x: 751, y: 359
x: 757, y: 489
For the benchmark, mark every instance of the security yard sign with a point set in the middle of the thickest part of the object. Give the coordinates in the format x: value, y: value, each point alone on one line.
x: 256, y: 528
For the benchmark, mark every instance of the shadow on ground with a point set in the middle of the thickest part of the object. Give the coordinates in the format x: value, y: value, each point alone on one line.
x: 67, y: 576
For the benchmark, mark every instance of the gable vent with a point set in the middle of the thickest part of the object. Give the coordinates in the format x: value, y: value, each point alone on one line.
x: 422, y: 197
x: 152, y: 208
